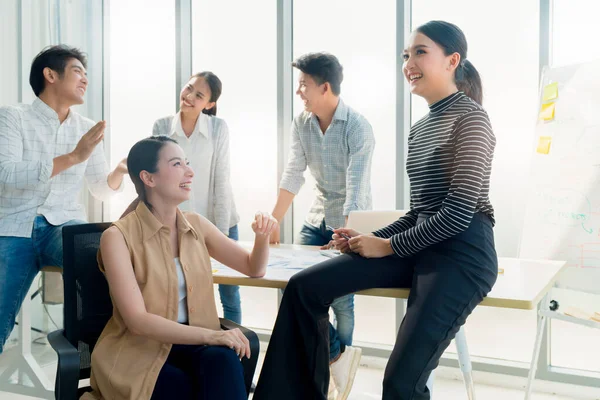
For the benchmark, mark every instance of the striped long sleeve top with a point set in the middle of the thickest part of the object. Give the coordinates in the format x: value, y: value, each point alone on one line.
x: 450, y: 153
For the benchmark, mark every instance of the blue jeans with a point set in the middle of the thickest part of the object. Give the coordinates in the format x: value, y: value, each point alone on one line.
x: 230, y: 294
x: 343, y: 307
x: 200, y: 372
x: 20, y: 261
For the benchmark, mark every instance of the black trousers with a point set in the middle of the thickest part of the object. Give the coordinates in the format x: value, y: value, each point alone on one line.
x: 447, y: 281
x: 200, y: 372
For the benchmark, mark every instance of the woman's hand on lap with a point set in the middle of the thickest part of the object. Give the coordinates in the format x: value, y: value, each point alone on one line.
x: 234, y: 339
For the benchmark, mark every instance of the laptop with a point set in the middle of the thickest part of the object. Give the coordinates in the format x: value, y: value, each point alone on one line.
x: 367, y: 222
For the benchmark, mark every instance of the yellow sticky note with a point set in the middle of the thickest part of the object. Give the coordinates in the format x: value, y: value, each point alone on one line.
x: 550, y: 92
x: 544, y: 144
x: 547, y: 112
x: 215, y: 271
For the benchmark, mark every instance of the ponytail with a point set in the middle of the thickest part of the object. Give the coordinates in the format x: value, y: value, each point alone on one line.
x: 468, y: 81
x: 216, y: 87
x: 452, y: 40
x: 211, y: 111
x: 131, y: 207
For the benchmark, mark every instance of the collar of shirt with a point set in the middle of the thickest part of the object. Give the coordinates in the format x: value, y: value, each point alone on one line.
x: 151, y: 225
x: 201, y: 126
x: 48, y: 112
x: 445, y: 103
x: 340, y: 114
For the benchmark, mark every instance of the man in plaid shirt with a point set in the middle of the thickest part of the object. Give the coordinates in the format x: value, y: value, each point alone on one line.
x: 45, y: 155
x: 336, y: 143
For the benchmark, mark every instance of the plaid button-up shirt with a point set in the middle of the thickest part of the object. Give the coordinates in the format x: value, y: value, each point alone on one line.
x: 31, y: 136
x: 339, y: 160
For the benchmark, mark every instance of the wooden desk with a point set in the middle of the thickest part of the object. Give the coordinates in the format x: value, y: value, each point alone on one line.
x: 523, y: 284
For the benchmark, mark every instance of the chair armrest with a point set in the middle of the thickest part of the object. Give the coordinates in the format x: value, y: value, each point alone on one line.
x: 252, y: 337
x: 67, y: 374
x: 249, y: 365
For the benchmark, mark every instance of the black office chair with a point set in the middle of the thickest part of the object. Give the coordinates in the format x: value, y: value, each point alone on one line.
x: 87, y: 309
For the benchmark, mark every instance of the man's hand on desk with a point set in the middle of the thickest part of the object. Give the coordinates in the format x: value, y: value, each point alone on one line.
x: 274, y: 239
x: 370, y: 246
x: 264, y: 224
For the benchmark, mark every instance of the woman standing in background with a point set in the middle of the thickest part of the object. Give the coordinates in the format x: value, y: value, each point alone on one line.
x: 204, y: 138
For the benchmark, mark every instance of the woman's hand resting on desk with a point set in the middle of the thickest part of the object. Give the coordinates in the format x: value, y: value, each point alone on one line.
x: 264, y: 224
x: 234, y: 339
x: 340, y: 239
x: 368, y: 246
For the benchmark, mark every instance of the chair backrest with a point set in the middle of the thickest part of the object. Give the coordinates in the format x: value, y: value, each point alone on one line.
x: 87, y: 306
x: 369, y: 221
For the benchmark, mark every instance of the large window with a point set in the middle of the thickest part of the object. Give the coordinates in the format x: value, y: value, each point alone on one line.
x: 364, y: 40
x: 507, y: 59
x: 237, y: 41
x: 9, y: 62
x: 574, y: 26
x: 141, y: 78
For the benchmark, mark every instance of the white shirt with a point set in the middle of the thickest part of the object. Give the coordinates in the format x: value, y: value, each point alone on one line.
x: 207, y: 149
x: 199, y: 150
x: 182, y: 313
x: 31, y: 136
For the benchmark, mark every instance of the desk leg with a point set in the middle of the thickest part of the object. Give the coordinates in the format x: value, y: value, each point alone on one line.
x: 464, y: 361
x: 541, y: 325
x: 21, y: 361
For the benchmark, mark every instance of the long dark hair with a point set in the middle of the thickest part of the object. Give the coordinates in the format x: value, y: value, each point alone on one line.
x: 452, y: 40
x: 144, y: 156
x: 216, y: 87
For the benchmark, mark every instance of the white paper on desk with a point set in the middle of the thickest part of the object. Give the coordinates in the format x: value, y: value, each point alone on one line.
x: 294, y: 259
x: 287, y: 259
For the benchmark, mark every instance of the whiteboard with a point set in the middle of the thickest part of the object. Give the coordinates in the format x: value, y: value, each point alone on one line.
x: 562, y: 216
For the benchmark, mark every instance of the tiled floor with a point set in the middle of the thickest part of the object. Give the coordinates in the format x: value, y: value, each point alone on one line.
x: 367, y: 385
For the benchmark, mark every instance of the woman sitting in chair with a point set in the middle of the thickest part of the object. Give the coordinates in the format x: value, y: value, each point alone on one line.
x: 164, y: 339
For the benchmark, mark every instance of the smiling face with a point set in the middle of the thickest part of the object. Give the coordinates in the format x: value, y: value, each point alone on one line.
x: 428, y: 71
x: 195, y: 96
x: 173, y: 179
x: 72, y: 85
x: 310, y: 92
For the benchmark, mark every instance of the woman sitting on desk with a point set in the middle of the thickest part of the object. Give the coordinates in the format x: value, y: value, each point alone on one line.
x: 164, y: 338
x: 443, y: 249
